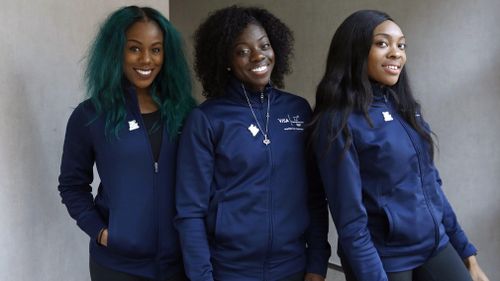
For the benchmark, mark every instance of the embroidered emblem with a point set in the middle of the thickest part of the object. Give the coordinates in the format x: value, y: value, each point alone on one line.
x: 387, y: 116
x: 133, y: 125
x: 295, y: 124
x: 253, y: 129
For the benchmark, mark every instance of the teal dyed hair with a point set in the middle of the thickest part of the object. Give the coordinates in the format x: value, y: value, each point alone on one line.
x: 105, y: 80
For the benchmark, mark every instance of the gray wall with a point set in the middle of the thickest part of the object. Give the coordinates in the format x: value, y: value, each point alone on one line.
x: 454, y: 63
x: 43, y: 44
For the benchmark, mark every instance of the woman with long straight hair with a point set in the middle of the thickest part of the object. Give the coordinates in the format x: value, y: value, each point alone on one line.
x: 375, y: 156
x: 139, y: 93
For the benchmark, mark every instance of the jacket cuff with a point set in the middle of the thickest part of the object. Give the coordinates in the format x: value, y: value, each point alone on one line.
x: 318, y: 263
x: 91, y: 224
x: 469, y: 250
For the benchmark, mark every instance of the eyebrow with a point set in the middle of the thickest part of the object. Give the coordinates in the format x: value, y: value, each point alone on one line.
x: 388, y: 35
x: 139, y: 42
x: 260, y: 39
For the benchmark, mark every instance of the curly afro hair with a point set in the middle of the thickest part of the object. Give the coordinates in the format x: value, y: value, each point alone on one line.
x: 216, y: 35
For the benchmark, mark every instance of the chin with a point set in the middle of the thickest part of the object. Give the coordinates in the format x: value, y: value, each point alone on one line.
x: 143, y: 84
x: 389, y: 82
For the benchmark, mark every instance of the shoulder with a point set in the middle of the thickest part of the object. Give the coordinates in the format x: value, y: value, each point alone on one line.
x: 291, y: 98
x: 292, y: 104
x: 79, y: 123
x: 197, y: 118
x: 84, y: 112
x: 211, y: 103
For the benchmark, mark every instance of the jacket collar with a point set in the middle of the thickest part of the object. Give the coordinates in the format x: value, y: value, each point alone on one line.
x: 383, y: 93
x: 234, y: 89
x: 378, y: 90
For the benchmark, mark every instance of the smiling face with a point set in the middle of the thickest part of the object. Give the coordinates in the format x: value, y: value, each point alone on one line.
x: 252, y: 57
x: 143, y: 55
x: 387, y: 54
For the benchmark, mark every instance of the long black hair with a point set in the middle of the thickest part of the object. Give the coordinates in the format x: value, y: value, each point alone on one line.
x: 345, y: 86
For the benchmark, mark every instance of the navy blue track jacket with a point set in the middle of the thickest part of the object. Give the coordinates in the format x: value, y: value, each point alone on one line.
x: 245, y: 210
x: 135, y: 199
x: 385, y: 194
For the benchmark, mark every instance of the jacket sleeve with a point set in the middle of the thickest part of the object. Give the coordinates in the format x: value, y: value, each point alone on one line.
x: 457, y: 236
x: 318, y: 248
x: 195, y: 166
x: 342, y: 181
x: 77, y: 174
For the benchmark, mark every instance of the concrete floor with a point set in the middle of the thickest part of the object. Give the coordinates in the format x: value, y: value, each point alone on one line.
x: 334, y: 275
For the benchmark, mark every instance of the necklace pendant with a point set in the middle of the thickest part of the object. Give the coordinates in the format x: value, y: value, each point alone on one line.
x: 266, y: 141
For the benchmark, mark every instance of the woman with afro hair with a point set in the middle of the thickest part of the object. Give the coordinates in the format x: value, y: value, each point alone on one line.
x: 246, y: 209
x: 139, y: 93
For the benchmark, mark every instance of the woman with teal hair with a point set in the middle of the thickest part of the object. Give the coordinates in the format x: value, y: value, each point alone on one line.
x: 139, y: 92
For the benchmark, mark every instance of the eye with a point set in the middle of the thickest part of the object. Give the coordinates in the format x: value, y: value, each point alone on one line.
x: 156, y: 50
x: 381, y: 44
x: 402, y: 46
x: 243, y: 52
x: 134, y: 49
x: 266, y: 46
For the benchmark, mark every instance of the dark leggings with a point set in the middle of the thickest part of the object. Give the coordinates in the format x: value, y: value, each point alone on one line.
x: 101, y: 273
x: 294, y: 277
x: 445, y: 266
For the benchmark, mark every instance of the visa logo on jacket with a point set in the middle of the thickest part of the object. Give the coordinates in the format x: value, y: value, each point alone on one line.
x: 294, y: 121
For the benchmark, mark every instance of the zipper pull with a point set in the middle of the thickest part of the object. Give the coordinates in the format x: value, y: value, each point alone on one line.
x: 156, y: 167
x: 385, y: 97
x: 262, y: 97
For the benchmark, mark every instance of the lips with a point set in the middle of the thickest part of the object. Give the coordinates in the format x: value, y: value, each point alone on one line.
x: 143, y: 72
x: 260, y: 69
x: 392, y: 68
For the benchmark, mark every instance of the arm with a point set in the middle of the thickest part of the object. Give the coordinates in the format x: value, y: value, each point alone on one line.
x: 458, y: 239
x: 342, y: 181
x: 457, y: 236
x: 195, y: 165
x: 318, y: 248
x: 475, y: 270
x: 77, y: 175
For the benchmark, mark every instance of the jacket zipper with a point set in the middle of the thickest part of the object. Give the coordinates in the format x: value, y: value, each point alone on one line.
x: 156, y: 169
x: 270, y: 197
x: 417, y: 150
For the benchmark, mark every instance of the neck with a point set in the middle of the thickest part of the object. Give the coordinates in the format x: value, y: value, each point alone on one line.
x: 142, y: 91
x: 254, y: 89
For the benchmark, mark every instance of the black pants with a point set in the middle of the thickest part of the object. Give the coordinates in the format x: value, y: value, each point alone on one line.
x: 101, y: 273
x: 294, y: 277
x: 445, y: 266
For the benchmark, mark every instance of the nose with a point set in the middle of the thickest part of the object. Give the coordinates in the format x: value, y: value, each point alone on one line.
x: 145, y: 57
x: 257, y: 56
x: 395, y: 52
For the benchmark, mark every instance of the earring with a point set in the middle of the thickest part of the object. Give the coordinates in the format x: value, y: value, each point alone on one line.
x: 228, y: 68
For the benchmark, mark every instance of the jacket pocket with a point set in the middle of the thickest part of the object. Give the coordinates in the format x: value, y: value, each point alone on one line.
x: 218, y: 220
x: 390, y: 222
x: 408, y: 225
x: 215, y: 214
x: 130, y: 235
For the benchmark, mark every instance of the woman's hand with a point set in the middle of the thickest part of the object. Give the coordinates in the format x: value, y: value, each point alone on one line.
x: 315, y: 277
x: 103, y: 238
x: 475, y: 270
